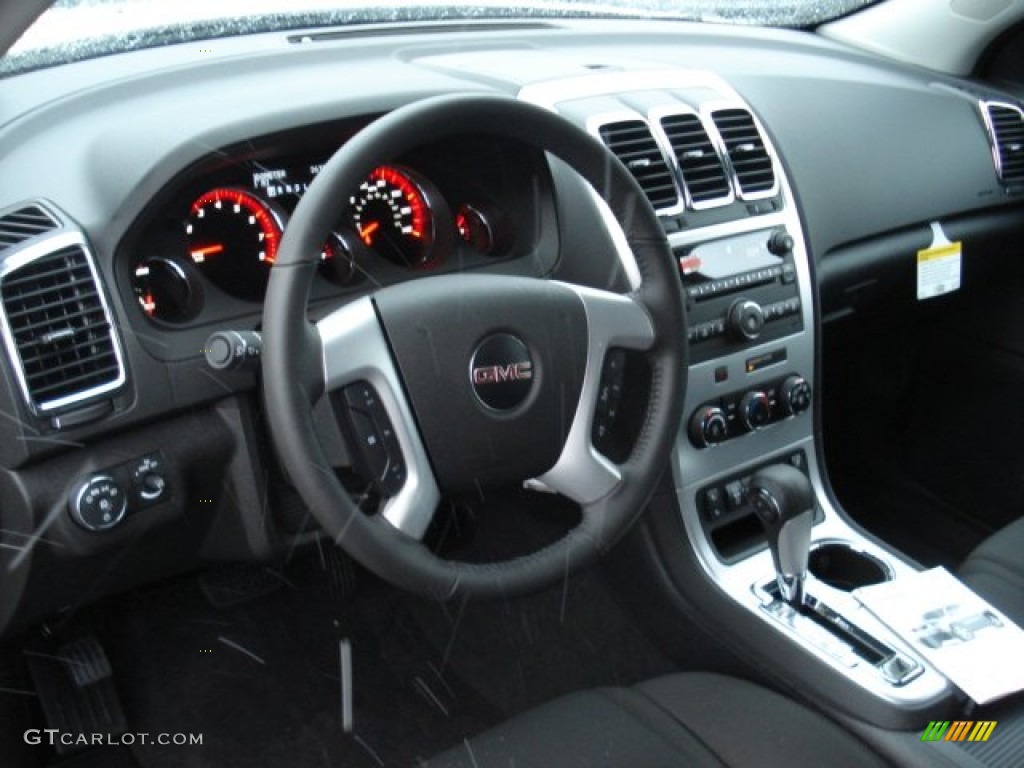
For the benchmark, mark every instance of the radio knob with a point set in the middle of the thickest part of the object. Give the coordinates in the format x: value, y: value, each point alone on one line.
x: 796, y: 395
x: 708, y: 426
x: 746, y: 319
x: 755, y: 410
x: 780, y: 243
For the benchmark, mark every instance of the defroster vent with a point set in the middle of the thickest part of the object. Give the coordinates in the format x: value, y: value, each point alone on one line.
x: 1005, y: 123
x: 632, y: 142
x: 699, y: 163
x: 751, y: 163
x: 57, y: 326
x: 21, y: 224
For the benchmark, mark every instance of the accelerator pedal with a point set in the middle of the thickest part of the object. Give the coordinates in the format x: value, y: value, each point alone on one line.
x: 76, y: 690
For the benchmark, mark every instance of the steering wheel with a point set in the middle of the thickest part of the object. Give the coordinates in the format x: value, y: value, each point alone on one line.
x: 472, y: 378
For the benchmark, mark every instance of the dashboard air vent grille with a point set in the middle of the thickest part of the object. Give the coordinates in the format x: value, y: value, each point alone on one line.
x: 632, y: 142
x: 699, y: 163
x: 58, y: 329
x: 24, y: 223
x: 751, y: 163
x: 1007, y: 126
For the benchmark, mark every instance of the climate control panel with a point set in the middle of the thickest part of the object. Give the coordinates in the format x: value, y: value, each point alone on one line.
x: 739, y: 413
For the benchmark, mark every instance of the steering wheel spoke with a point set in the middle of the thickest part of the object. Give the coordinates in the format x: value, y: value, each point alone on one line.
x: 355, y: 353
x: 582, y: 473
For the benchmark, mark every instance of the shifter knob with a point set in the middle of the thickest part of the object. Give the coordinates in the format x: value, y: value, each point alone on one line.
x: 784, y: 503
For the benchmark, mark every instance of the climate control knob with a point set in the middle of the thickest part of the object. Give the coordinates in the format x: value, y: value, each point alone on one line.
x: 708, y: 426
x: 755, y: 410
x: 795, y: 394
x: 746, y: 319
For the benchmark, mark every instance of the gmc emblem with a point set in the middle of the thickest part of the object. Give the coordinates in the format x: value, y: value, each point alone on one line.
x: 495, y: 374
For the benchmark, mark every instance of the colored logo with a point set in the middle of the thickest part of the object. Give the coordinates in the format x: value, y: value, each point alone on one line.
x: 959, y: 730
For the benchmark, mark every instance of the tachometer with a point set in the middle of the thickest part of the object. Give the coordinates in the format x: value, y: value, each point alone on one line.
x: 232, y: 239
x: 392, y: 215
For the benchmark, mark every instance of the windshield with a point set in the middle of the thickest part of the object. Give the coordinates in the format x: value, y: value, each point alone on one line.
x: 77, y: 29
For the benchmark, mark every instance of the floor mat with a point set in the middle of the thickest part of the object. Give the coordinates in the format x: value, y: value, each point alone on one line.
x: 260, y: 684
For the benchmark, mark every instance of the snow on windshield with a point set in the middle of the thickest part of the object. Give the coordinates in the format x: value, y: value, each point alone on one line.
x: 78, y: 29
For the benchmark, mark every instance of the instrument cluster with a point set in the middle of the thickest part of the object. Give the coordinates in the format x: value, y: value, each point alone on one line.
x: 215, y: 242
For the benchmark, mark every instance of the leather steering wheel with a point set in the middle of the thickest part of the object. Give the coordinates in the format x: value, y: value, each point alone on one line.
x: 484, y: 378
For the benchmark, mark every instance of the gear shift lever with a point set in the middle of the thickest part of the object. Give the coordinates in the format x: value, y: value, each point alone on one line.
x: 784, y: 502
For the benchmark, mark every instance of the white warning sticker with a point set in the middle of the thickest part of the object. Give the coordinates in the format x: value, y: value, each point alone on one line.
x: 938, y: 266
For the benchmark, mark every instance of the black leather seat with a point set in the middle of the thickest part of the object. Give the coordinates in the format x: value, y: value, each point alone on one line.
x: 995, y: 570
x: 692, y: 719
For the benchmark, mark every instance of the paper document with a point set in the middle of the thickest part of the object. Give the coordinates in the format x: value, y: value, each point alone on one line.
x: 955, y: 630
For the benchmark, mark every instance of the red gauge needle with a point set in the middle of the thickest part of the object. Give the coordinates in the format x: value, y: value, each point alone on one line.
x: 198, y: 254
x: 366, y: 233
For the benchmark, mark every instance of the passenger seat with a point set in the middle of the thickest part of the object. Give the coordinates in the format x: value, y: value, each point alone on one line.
x: 995, y: 570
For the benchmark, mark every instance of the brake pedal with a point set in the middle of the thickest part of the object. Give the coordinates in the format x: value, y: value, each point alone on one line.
x: 76, y: 690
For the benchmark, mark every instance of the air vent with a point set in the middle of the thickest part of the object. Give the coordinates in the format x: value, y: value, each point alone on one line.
x: 57, y: 327
x: 703, y: 173
x: 755, y: 175
x: 19, y: 225
x: 1006, y: 127
x: 632, y: 142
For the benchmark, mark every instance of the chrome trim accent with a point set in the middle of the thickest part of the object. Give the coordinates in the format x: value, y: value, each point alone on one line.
x: 25, y: 253
x: 596, y: 122
x: 581, y: 473
x: 655, y: 116
x: 354, y: 349
x: 990, y: 131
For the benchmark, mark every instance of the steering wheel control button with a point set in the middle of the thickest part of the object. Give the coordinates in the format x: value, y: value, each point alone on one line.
x: 609, y: 399
x: 374, y: 438
x: 501, y: 372
x: 99, y: 504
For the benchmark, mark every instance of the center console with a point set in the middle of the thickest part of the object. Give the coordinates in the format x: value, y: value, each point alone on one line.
x: 750, y: 401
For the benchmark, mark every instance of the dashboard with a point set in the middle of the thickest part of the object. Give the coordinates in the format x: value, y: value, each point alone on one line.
x: 171, y: 175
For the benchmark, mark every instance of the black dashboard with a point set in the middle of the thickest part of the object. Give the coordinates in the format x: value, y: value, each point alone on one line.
x: 180, y: 169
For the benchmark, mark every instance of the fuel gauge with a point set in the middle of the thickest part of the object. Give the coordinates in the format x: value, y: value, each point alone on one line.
x: 477, y: 225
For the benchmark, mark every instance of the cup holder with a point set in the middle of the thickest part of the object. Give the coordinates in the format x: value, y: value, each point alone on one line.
x: 844, y: 567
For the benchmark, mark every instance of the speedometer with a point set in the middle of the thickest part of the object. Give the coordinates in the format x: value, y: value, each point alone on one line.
x: 393, y: 216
